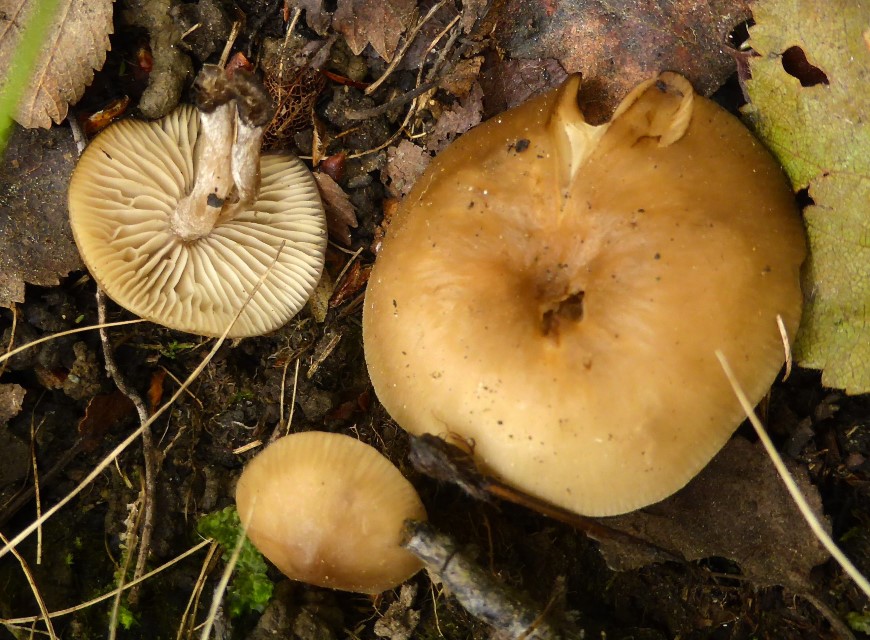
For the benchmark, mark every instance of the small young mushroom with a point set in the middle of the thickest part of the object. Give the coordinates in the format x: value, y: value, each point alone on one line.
x: 554, y: 292
x: 178, y: 219
x: 328, y: 510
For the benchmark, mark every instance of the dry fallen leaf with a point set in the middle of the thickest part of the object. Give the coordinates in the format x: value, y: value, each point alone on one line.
x: 73, y: 48
x: 405, y: 163
x: 509, y: 83
x: 315, y: 16
x: 380, y: 23
x: 353, y: 281
x: 340, y: 212
x: 11, y: 399
x: 16, y: 453
x: 104, y: 413
x: 36, y: 243
x: 462, y: 77
x: 457, y: 120
x: 737, y: 508
x: 616, y: 44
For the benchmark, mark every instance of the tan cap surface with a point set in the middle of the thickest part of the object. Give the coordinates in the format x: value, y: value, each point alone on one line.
x: 124, y: 189
x: 328, y: 509
x: 555, y: 292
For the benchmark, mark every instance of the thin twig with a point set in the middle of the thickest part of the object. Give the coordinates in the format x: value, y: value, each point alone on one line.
x: 447, y: 462
x: 365, y: 114
x: 511, y: 613
x: 436, y: 67
x: 147, y: 445
x: 409, y: 39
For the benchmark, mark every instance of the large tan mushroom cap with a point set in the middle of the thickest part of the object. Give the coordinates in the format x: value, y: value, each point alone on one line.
x: 126, y: 186
x: 328, y: 509
x: 554, y: 292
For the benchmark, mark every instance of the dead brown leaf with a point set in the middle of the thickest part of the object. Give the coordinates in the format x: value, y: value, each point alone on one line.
x: 73, y: 48
x: 11, y: 399
x: 155, y: 390
x: 737, y: 508
x: 472, y: 11
x: 315, y: 16
x: 104, y: 413
x: 509, y: 83
x: 16, y: 453
x: 36, y: 243
x: 354, y: 280
x: 616, y: 44
x: 405, y: 163
x: 462, y: 77
x: 457, y: 120
x: 340, y: 212
x: 380, y: 23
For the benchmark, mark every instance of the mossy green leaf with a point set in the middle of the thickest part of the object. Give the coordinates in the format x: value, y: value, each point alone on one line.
x: 810, y: 102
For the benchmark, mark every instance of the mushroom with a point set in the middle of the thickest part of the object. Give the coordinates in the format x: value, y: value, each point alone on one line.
x: 328, y: 510
x: 554, y: 292
x: 179, y: 219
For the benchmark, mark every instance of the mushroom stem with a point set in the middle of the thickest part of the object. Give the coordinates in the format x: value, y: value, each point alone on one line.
x: 254, y: 111
x: 198, y: 212
x: 233, y: 113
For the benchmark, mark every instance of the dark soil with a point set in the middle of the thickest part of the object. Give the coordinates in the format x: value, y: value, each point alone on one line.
x: 238, y: 399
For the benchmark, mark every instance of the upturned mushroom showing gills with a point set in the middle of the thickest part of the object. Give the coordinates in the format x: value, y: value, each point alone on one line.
x: 328, y: 510
x: 179, y: 219
x: 554, y: 292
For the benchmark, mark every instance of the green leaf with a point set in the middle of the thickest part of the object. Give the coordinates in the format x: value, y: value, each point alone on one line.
x: 250, y: 588
x: 859, y: 621
x: 820, y: 131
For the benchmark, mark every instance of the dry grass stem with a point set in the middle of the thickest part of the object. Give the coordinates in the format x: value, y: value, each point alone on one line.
x: 247, y: 447
x: 786, y: 345
x: 36, y: 494
x: 110, y: 594
x: 178, y: 382
x: 45, y: 617
x: 185, y: 628
x: 68, y: 332
x: 221, y: 587
x: 791, y: 485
